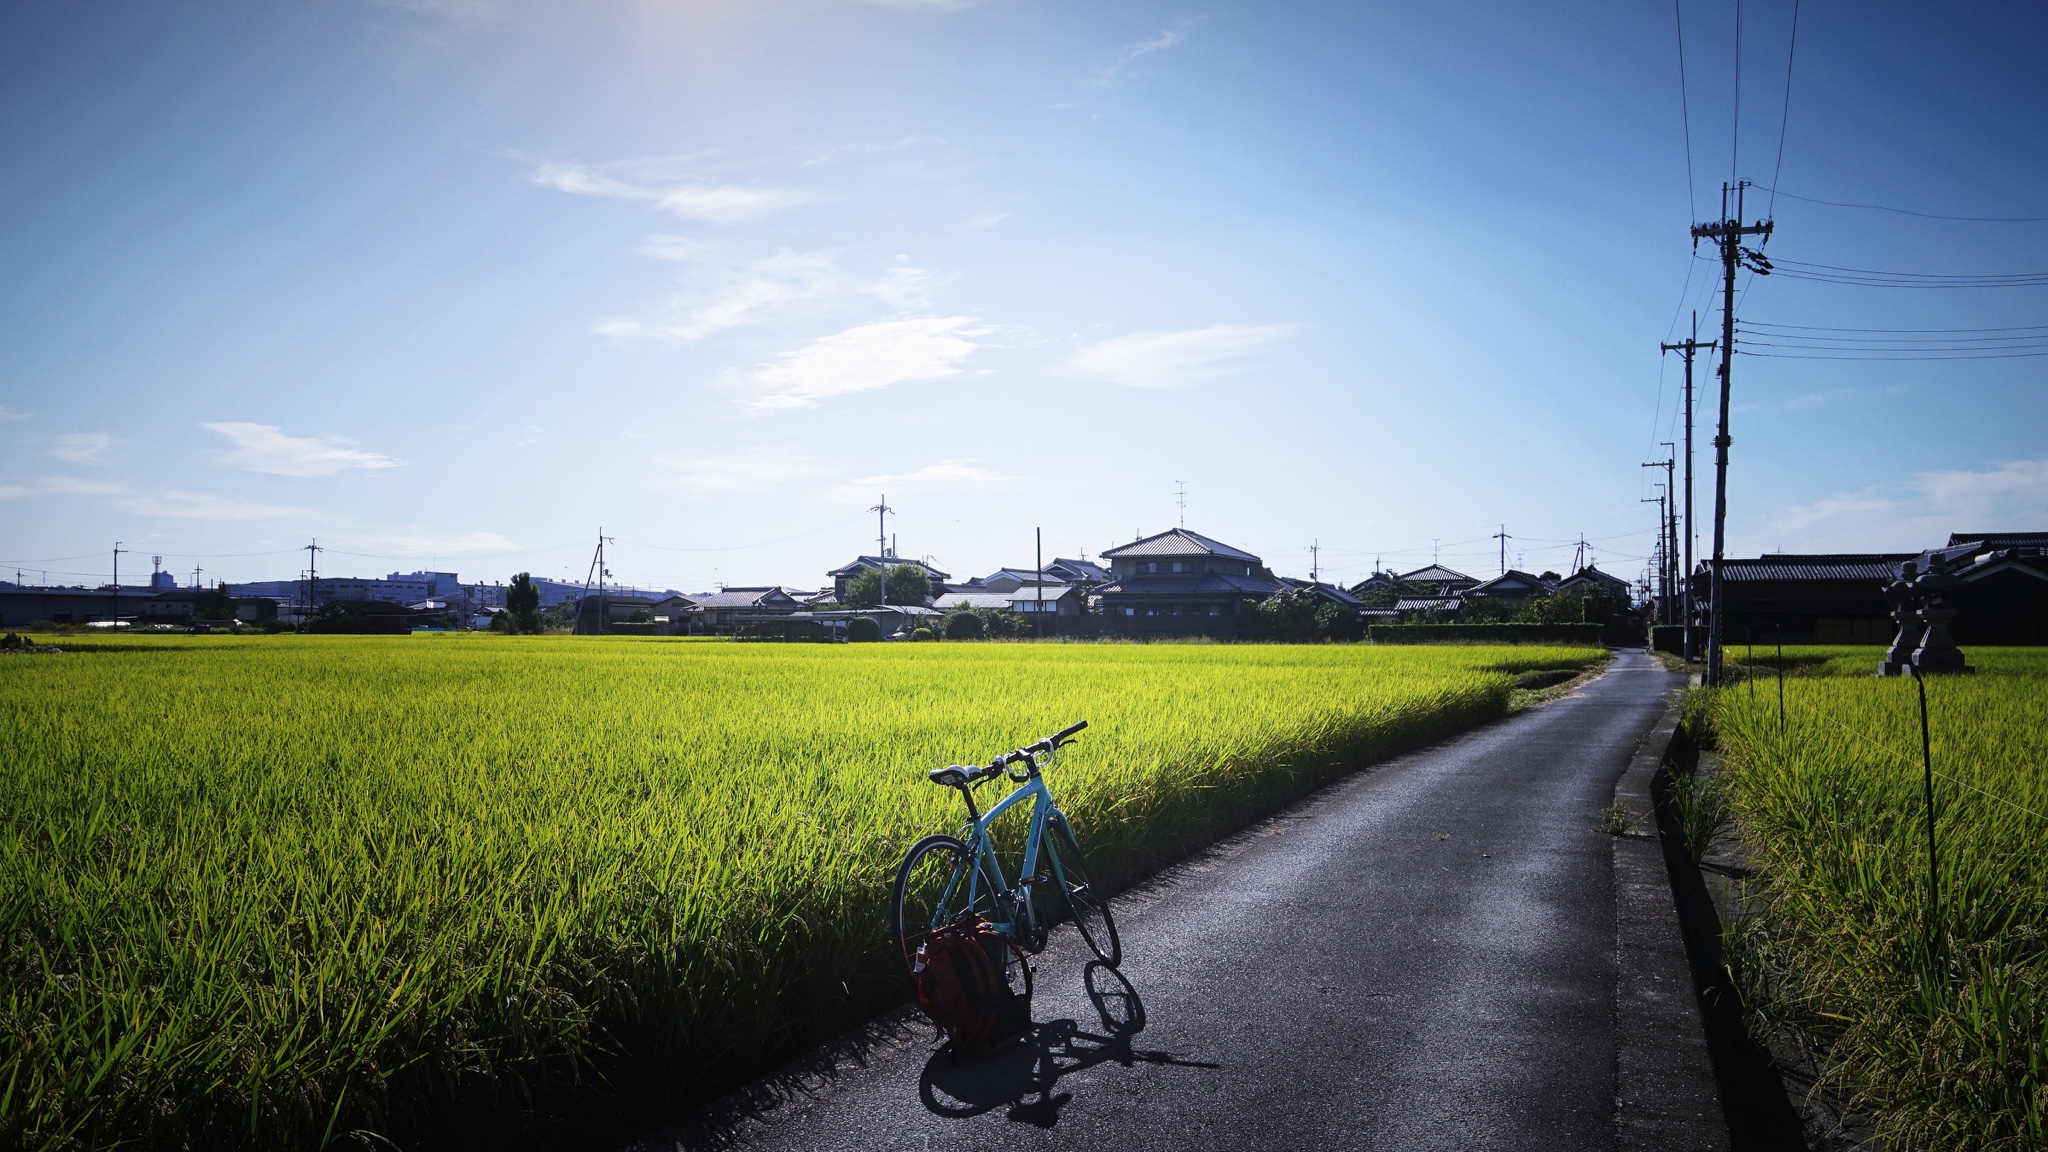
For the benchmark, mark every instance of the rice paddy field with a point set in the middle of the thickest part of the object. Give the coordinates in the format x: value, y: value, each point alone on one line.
x: 1933, y: 1022
x: 292, y: 891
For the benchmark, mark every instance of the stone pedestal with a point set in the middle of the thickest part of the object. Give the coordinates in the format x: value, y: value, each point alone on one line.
x: 1937, y: 653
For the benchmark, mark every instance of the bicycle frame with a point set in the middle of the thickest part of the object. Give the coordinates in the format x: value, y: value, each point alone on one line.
x: 984, y: 853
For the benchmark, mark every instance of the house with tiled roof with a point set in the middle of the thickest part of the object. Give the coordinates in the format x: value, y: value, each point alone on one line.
x: 1179, y: 582
x: 847, y: 573
x: 1514, y: 586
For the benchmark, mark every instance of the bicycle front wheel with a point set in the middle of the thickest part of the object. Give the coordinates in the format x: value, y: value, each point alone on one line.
x: 932, y: 889
x: 1084, y: 903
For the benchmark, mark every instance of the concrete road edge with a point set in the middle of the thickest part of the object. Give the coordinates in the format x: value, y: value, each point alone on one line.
x: 1665, y: 1093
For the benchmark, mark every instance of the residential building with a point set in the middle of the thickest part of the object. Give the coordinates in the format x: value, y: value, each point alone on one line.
x: 847, y: 573
x: 1062, y: 600
x: 1514, y: 586
x: 730, y: 609
x: 1182, y: 583
x: 1591, y: 581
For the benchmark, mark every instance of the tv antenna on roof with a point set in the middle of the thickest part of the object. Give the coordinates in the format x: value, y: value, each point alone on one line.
x: 1180, y: 497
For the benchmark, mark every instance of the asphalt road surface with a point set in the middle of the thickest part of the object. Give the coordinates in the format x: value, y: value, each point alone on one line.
x: 1420, y: 957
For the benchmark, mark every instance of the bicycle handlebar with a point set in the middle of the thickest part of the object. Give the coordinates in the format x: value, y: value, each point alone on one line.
x: 968, y: 776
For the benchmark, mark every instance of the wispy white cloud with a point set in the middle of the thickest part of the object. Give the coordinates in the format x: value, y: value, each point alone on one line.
x: 81, y: 447
x: 1919, y: 513
x: 7, y: 413
x: 983, y: 221
x: 866, y: 357
x: 722, y: 298
x: 944, y: 476
x: 752, y: 471
x: 727, y: 203
x: 265, y: 448
x: 531, y: 438
x: 1143, y: 48
x: 169, y: 502
x: 711, y: 203
x: 1173, y: 359
x: 1807, y: 401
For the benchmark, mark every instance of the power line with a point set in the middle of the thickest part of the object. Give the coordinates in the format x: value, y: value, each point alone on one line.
x: 1685, y: 118
x: 1791, y: 49
x: 1910, y: 212
x: 1825, y: 328
x: 1882, y: 278
x: 1735, y: 148
x: 1796, y: 356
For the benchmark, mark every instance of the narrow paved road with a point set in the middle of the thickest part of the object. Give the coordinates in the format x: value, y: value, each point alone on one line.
x: 1420, y: 957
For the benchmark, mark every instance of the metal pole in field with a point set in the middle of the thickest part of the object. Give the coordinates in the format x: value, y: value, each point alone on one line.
x: 1927, y: 780
x: 116, y: 610
x: 1729, y: 232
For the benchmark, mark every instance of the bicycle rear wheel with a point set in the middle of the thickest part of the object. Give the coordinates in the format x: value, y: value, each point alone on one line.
x: 1084, y: 902
x: 932, y: 889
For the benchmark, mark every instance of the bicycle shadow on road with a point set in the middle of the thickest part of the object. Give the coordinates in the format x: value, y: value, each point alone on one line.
x: 1024, y: 1076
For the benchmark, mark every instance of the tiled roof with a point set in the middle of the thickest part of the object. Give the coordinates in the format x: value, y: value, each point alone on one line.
x: 1509, y: 583
x: 1327, y: 591
x: 1084, y: 569
x: 1875, y: 566
x: 1435, y: 574
x: 742, y: 598
x: 860, y: 564
x: 1177, y: 542
x: 2000, y: 539
x: 1415, y: 603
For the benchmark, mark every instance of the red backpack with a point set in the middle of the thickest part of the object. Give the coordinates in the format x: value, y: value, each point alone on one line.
x: 960, y: 985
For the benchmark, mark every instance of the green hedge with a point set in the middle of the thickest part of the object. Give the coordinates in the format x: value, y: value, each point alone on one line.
x: 1586, y: 634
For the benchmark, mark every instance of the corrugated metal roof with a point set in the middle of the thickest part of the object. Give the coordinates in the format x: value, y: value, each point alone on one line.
x: 1419, y: 603
x: 1874, y: 566
x: 743, y: 598
x: 1177, y: 542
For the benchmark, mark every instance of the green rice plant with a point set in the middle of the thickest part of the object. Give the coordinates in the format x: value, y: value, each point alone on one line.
x: 1933, y: 1019
x: 1701, y: 805
x: 270, y: 891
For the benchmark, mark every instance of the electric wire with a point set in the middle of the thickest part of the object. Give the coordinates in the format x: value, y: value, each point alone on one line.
x: 1909, y: 212
x: 1785, y: 119
x: 1685, y: 118
x: 1735, y: 148
x: 1882, y: 278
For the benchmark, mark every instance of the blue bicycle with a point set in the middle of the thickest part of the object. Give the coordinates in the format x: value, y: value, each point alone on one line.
x: 943, y: 878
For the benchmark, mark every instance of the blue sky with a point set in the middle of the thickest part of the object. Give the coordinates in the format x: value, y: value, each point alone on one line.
x: 450, y: 284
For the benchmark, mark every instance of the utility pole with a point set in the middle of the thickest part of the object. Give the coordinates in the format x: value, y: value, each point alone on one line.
x: 1503, y: 537
x: 597, y: 569
x: 1038, y: 552
x: 195, y: 575
x: 116, y: 616
x: 1315, y: 555
x: 1662, y: 558
x: 313, y: 551
x: 881, y: 527
x: 1670, y: 525
x: 1664, y: 581
x: 1728, y: 233
x: 1692, y: 535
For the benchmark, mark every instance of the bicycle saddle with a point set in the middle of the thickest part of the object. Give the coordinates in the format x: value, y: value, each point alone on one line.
x: 952, y: 777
